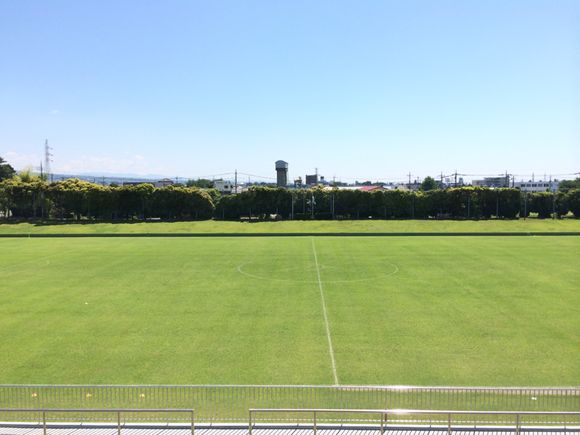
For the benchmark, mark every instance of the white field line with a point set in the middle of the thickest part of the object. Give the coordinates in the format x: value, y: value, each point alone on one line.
x: 330, y: 348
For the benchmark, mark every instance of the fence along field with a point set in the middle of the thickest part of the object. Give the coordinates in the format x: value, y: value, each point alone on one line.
x: 230, y: 403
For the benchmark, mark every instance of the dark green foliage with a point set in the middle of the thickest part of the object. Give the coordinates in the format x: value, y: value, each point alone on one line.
x: 318, y: 203
x: 541, y: 203
x: 561, y: 203
x: 202, y: 183
x: 76, y: 199
x: 428, y: 183
x: 508, y: 203
x: 6, y: 171
x: 567, y: 185
x: 573, y: 201
x: 181, y: 203
x: 21, y: 199
x: 79, y: 200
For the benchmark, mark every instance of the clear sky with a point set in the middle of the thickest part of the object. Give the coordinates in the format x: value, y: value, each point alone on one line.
x: 359, y: 89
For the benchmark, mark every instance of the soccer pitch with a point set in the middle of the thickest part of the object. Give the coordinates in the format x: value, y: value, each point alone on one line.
x: 499, y: 311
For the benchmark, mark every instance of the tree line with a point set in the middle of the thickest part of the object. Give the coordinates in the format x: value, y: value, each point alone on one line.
x: 453, y: 203
x: 73, y: 199
x: 76, y: 199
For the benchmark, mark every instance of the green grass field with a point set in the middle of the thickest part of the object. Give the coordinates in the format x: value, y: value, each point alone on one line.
x: 401, y: 310
x: 521, y: 225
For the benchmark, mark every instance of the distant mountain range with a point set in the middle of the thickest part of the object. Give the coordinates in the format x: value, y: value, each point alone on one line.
x: 118, y: 178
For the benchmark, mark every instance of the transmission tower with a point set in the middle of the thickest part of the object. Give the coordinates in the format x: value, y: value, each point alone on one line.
x: 47, y: 159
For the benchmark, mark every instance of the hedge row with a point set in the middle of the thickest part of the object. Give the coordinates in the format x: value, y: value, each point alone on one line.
x: 465, y: 202
x: 75, y: 199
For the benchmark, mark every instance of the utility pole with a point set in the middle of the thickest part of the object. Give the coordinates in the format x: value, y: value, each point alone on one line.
x: 235, y: 181
x: 455, y: 184
x: 333, y: 206
x: 468, y: 206
x: 409, y: 174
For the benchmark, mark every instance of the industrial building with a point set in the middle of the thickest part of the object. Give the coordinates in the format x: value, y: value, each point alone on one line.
x: 497, y: 182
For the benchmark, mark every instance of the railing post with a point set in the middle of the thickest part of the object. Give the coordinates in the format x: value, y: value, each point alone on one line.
x: 192, y: 422
x: 314, y: 425
x: 517, y: 424
x: 449, y: 424
x: 44, y: 422
x: 250, y: 422
x: 382, y: 423
x: 118, y: 422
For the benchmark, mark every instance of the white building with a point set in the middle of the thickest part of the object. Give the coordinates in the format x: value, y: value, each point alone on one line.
x: 537, y: 186
x: 224, y: 186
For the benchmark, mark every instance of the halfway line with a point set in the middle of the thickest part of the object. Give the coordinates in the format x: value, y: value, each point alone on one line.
x: 331, y: 350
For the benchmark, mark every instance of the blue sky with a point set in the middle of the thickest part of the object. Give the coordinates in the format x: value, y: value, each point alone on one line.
x: 359, y: 89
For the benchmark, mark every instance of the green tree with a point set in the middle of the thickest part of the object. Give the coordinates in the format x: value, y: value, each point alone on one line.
x: 203, y: 183
x: 428, y: 183
x: 541, y: 203
x: 573, y: 201
x: 566, y: 185
x: 23, y: 199
x: 6, y: 171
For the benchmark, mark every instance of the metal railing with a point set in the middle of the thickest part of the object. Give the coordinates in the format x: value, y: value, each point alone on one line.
x: 118, y: 413
x: 384, y: 415
x: 315, y: 413
x: 230, y: 403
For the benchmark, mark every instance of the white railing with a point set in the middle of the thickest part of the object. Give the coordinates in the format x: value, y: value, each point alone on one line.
x: 44, y: 412
x: 385, y: 413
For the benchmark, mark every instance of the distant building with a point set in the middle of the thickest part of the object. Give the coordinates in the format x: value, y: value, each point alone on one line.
x: 163, y: 183
x: 135, y: 183
x: 225, y: 187
x: 497, y: 182
x: 298, y: 182
x: 371, y: 188
x: 451, y: 182
x: 312, y: 180
x: 415, y: 185
x: 537, y: 186
x: 365, y: 188
x: 281, y: 173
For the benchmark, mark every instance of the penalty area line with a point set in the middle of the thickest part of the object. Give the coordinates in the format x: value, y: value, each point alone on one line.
x: 324, y: 313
